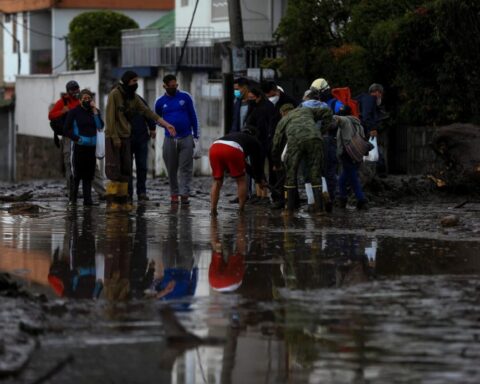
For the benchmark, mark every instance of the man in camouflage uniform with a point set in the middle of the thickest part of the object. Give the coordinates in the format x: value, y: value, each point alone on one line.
x: 304, y: 139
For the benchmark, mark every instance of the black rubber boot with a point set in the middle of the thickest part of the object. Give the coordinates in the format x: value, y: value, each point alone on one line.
x: 291, y: 199
x: 87, y: 192
x: 318, y: 196
x: 74, y: 184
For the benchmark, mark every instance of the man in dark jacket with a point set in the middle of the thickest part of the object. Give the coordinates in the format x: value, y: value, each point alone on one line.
x: 240, y: 106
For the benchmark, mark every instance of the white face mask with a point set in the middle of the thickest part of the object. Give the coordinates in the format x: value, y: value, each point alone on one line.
x: 379, y: 101
x: 274, y: 99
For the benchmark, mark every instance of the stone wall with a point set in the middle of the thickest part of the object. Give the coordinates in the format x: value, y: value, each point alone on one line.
x: 37, y: 158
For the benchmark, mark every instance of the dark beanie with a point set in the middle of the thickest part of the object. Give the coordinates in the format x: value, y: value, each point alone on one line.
x: 127, y: 76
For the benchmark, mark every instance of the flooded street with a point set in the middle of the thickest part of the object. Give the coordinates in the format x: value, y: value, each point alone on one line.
x: 166, y: 294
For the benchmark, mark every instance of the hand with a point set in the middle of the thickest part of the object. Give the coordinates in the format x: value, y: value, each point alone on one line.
x: 171, y: 129
x: 65, y: 109
x: 153, y: 134
x: 373, y: 133
x: 94, y: 107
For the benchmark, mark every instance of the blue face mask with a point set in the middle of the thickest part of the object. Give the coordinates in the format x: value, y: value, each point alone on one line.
x: 237, y: 94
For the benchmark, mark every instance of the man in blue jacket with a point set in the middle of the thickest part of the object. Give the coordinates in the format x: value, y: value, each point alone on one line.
x: 176, y: 107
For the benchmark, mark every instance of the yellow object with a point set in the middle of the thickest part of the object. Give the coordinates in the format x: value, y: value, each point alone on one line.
x: 122, y: 189
x: 112, y: 188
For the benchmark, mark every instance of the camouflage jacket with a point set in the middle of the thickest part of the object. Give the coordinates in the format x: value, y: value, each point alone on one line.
x: 298, y: 126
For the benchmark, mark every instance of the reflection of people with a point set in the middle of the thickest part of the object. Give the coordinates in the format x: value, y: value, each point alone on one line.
x: 175, y: 269
x: 226, y: 275
x: 75, y: 276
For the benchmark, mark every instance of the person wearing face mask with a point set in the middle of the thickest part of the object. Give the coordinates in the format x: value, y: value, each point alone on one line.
x: 177, y: 107
x: 81, y: 126
x: 240, y: 107
x: 67, y: 101
x: 122, y: 104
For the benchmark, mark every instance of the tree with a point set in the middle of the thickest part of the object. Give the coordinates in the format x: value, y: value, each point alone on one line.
x: 94, y: 29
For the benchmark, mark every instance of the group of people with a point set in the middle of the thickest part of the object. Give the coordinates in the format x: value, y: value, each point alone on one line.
x: 130, y: 123
x: 308, y: 138
x: 272, y: 140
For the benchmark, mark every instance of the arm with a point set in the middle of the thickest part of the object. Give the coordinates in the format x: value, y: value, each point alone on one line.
x: 57, y: 110
x: 68, y: 127
x: 369, y: 114
x: 147, y: 112
x: 324, y: 115
x: 192, y: 114
x: 111, y: 118
x: 279, y: 140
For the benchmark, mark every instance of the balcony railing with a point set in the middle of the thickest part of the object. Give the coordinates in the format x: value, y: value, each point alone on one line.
x: 153, y: 47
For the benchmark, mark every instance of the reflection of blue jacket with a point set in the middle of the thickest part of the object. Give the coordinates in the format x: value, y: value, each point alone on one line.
x: 185, y: 283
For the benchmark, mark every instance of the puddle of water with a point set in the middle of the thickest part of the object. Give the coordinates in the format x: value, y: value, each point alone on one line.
x: 274, y: 301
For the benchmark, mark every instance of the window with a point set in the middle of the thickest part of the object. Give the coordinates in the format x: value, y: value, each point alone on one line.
x: 7, y: 18
x: 25, y: 32
x: 219, y: 10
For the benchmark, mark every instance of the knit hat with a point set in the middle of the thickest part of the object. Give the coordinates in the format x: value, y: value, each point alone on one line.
x: 320, y: 84
x: 375, y: 87
x: 71, y: 85
x: 127, y: 76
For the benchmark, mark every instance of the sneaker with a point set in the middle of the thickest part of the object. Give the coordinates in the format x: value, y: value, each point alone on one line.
x: 184, y: 200
x: 143, y: 197
x: 174, y: 199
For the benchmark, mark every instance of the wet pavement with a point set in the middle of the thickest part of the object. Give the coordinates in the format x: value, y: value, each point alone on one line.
x: 167, y: 294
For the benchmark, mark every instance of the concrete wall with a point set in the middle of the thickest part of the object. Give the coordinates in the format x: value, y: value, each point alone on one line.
x: 36, y: 93
x: 10, y: 58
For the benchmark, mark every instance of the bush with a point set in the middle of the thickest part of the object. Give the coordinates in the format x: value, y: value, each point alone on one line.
x: 95, y: 29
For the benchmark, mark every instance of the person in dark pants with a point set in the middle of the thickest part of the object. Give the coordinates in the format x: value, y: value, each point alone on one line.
x: 81, y: 127
x: 143, y: 129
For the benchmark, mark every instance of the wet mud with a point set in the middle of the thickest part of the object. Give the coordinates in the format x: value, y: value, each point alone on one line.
x: 167, y: 294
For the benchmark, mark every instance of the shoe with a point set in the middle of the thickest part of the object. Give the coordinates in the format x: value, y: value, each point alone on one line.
x: 174, y: 199
x: 184, y: 200
x: 143, y: 197
x: 362, y: 205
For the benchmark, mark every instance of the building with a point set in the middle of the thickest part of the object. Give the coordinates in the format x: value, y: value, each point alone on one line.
x: 34, y: 31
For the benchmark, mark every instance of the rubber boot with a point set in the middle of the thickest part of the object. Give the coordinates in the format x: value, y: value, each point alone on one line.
x: 87, y: 192
x: 290, y: 197
x: 122, y: 197
x: 111, y: 195
x: 318, y: 196
x: 74, y: 184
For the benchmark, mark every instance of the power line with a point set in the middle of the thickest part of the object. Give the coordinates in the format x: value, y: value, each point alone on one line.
x: 39, y: 32
x: 186, y: 38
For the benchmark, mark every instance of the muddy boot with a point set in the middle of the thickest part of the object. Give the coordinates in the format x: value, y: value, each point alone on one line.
x: 74, y: 184
x: 291, y: 198
x: 122, y: 197
x: 318, y: 196
x: 87, y: 192
x: 110, y: 196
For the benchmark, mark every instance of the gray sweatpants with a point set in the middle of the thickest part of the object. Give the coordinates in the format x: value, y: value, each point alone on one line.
x: 178, y: 158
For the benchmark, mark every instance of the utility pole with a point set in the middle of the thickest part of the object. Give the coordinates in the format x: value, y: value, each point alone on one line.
x: 239, y: 62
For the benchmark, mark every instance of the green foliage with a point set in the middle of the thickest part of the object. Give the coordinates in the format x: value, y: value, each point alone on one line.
x: 94, y: 29
x: 424, y: 51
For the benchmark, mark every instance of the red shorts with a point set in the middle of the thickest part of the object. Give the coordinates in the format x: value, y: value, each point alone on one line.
x: 225, y: 157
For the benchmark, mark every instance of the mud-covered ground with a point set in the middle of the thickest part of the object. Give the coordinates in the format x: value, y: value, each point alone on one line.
x: 168, y: 294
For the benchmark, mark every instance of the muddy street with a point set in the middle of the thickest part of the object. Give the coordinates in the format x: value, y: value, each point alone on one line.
x: 167, y: 294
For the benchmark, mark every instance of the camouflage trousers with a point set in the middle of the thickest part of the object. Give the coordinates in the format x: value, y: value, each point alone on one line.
x: 311, y: 153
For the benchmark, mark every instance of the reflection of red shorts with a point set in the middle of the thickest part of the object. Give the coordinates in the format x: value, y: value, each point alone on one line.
x: 226, y: 276
x: 226, y: 155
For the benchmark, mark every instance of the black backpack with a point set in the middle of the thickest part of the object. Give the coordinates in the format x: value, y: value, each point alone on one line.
x: 58, y: 123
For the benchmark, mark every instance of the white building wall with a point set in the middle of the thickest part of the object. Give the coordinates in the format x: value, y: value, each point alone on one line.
x: 37, y: 93
x: 260, y: 18
x: 11, y: 64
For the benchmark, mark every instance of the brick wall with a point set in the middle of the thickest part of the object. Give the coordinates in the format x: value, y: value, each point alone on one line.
x: 37, y: 158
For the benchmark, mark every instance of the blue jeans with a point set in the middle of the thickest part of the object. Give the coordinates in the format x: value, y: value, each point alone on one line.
x: 139, y: 148
x: 350, y: 174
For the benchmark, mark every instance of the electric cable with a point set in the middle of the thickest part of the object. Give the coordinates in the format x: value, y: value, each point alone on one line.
x: 186, y: 38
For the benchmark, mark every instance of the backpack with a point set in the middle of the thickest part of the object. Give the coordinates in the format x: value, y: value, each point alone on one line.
x: 345, y: 96
x: 58, y: 123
